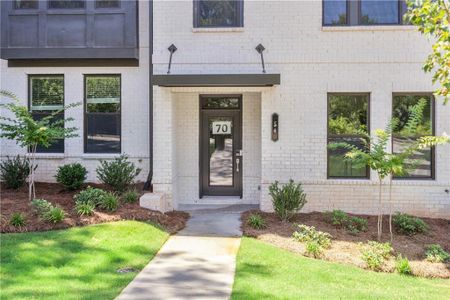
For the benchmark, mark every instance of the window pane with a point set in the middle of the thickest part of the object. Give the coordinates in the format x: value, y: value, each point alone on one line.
x: 335, y: 12
x: 66, y: 4
x: 47, y: 93
x: 103, y: 114
x: 420, y: 164
x: 26, y: 4
x: 347, y: 119
x: 218, y: 13
x: 379, y: 12
x: 107, y: 3
x: 58, y: 146
x: 221, y: 103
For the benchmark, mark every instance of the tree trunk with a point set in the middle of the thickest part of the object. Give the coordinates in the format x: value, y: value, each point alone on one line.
x: 31, y: 186
x: 390, y: 208
x: 380, y: 211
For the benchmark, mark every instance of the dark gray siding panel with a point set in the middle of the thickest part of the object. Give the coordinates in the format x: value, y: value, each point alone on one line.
x: 89, y: 33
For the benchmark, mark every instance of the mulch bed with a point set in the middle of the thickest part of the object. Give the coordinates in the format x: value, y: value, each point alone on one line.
x: 345, y: 246
x: 12, y: 201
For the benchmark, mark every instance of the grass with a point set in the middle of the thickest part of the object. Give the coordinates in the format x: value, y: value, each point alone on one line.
x: 267, y: 272
x: 77, y: 263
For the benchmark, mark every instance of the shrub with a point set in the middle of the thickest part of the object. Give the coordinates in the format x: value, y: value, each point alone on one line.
x: 435, y: 253
x: 84, y: 208
x: 310, y: 234
x: 409, y: 225
x: 402, y: 265
x: 71, y: 176
x: 130, y: 196
x: 54, y: 215
x: 109, y: 202
x: 356, y: 224
x: 374, y: 254
x: 338, y: 217
x: 90, y: 195
x: 47, y: 211
x: 17, y: 220
x: 314, y: 249
x: 256, y: 221
x: 287, y: 200
x: 118, y: 174
x: 15, y: 171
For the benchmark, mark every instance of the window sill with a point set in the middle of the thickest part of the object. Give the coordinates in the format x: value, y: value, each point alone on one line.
x: 218, y: 29
x: 97, y: 156
x: 370, y: 28
x: 48, y: 155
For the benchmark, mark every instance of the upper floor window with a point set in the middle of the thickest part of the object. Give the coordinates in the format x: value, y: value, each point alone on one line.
x: 421, y: 165
x: 46, y: 96
x: 223, y: 13
x: 348, y: 115
x: 107, y: 3
x: 66, y: 4
x: 363, y: 12
x: 26, y: 4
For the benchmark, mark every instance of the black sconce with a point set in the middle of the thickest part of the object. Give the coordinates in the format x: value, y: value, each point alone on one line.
x: 171, y: 49
x: 275, y: 127
x: 260, y: 48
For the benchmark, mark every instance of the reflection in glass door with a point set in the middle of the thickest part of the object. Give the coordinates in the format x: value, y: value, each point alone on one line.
x: 220, y: 151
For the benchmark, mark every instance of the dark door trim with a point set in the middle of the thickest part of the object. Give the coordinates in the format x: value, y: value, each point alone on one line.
x: 236, y: 114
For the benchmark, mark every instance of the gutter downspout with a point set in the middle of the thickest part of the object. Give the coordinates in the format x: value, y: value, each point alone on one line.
x: 148, y: 186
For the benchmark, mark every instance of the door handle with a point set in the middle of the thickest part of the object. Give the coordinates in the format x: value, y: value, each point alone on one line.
x: 238, y: 160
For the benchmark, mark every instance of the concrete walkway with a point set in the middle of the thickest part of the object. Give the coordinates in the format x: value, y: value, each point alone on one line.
x: 197, y: 263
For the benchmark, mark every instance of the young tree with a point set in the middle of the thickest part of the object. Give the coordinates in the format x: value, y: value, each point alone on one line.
x: 375, y: 155
x: 31, y: 133
x: 433, y: 20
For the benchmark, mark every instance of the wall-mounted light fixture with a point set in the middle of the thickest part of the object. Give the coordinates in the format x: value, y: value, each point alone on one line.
x: 260, y: 48
x: 171, y: 49
x: 275, y: 127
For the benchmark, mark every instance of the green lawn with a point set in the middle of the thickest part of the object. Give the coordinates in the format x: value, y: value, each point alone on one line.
x: 78, y: 263
x: 267, y: 272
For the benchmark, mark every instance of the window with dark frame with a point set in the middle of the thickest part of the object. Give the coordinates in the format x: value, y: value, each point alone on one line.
x: 363, y: 12
x: 348, y: 114
x: 222, y: 13
x: 107, y: 3
x: 66, y: 4
x: 26, y: 4
x: 421, y: 165
x: 102, y: 107
x: 46, y: 96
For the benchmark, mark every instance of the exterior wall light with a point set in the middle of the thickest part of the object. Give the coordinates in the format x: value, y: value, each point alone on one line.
x: 171, y: 49
x: 275, y: 127
x: 260, y: 48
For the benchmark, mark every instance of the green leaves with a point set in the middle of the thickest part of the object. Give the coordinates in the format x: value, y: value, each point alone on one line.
x: 433, y: 19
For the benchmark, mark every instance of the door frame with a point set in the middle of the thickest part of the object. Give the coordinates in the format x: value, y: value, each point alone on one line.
x: 237, y: 188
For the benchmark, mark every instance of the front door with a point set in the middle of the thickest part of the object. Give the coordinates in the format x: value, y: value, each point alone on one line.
x: 220, y: 145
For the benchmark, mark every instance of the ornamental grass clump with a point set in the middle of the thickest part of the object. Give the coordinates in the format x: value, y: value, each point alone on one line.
x: 256, y: 221
x: 287, y: 199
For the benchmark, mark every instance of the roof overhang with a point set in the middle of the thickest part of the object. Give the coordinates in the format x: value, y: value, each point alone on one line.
x: 216, y: 80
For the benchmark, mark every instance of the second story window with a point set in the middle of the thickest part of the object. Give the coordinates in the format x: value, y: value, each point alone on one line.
x: 26, y: 4
x: 363, y: 12
x: 218, y: 13
x: 66, y: 4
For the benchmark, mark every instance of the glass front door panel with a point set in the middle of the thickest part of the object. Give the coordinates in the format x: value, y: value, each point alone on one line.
x: 220, y: 151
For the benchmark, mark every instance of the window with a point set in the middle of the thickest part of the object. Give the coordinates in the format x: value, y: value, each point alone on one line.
x: 422, y: 163
x: 363, y: 12
x: 107, y: 3
x: 335, y: 12
x: 66, y: 4
x: 26, y: 4
x: 347, y: 115
x: 46, y: 95
x: 102, y: 113
x: 218, y: 13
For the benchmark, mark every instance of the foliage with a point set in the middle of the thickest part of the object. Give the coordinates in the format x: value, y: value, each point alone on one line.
x: 256, y: 221
x: 109, y: 202
x: 84, y: 208
x: 433, y: 20
x: 47, y: 211
x: 17, y: 220
x: 90, y: 195
x: 287, y: 200
x: 310, y: 234
x: 72, y: 176
x: 353, y: 224
x: 435, y: 253
x: 402, y: 265
x: 118, y: 174
x: 15, y: 171
x: 30, y: 133
x: 374, y: 254
x: 338, y: 217
x: 130, y: 196
x: 313, y: 249
x: 409, y: 225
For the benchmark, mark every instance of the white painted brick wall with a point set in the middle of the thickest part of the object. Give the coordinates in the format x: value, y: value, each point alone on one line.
x: 312, y: 61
